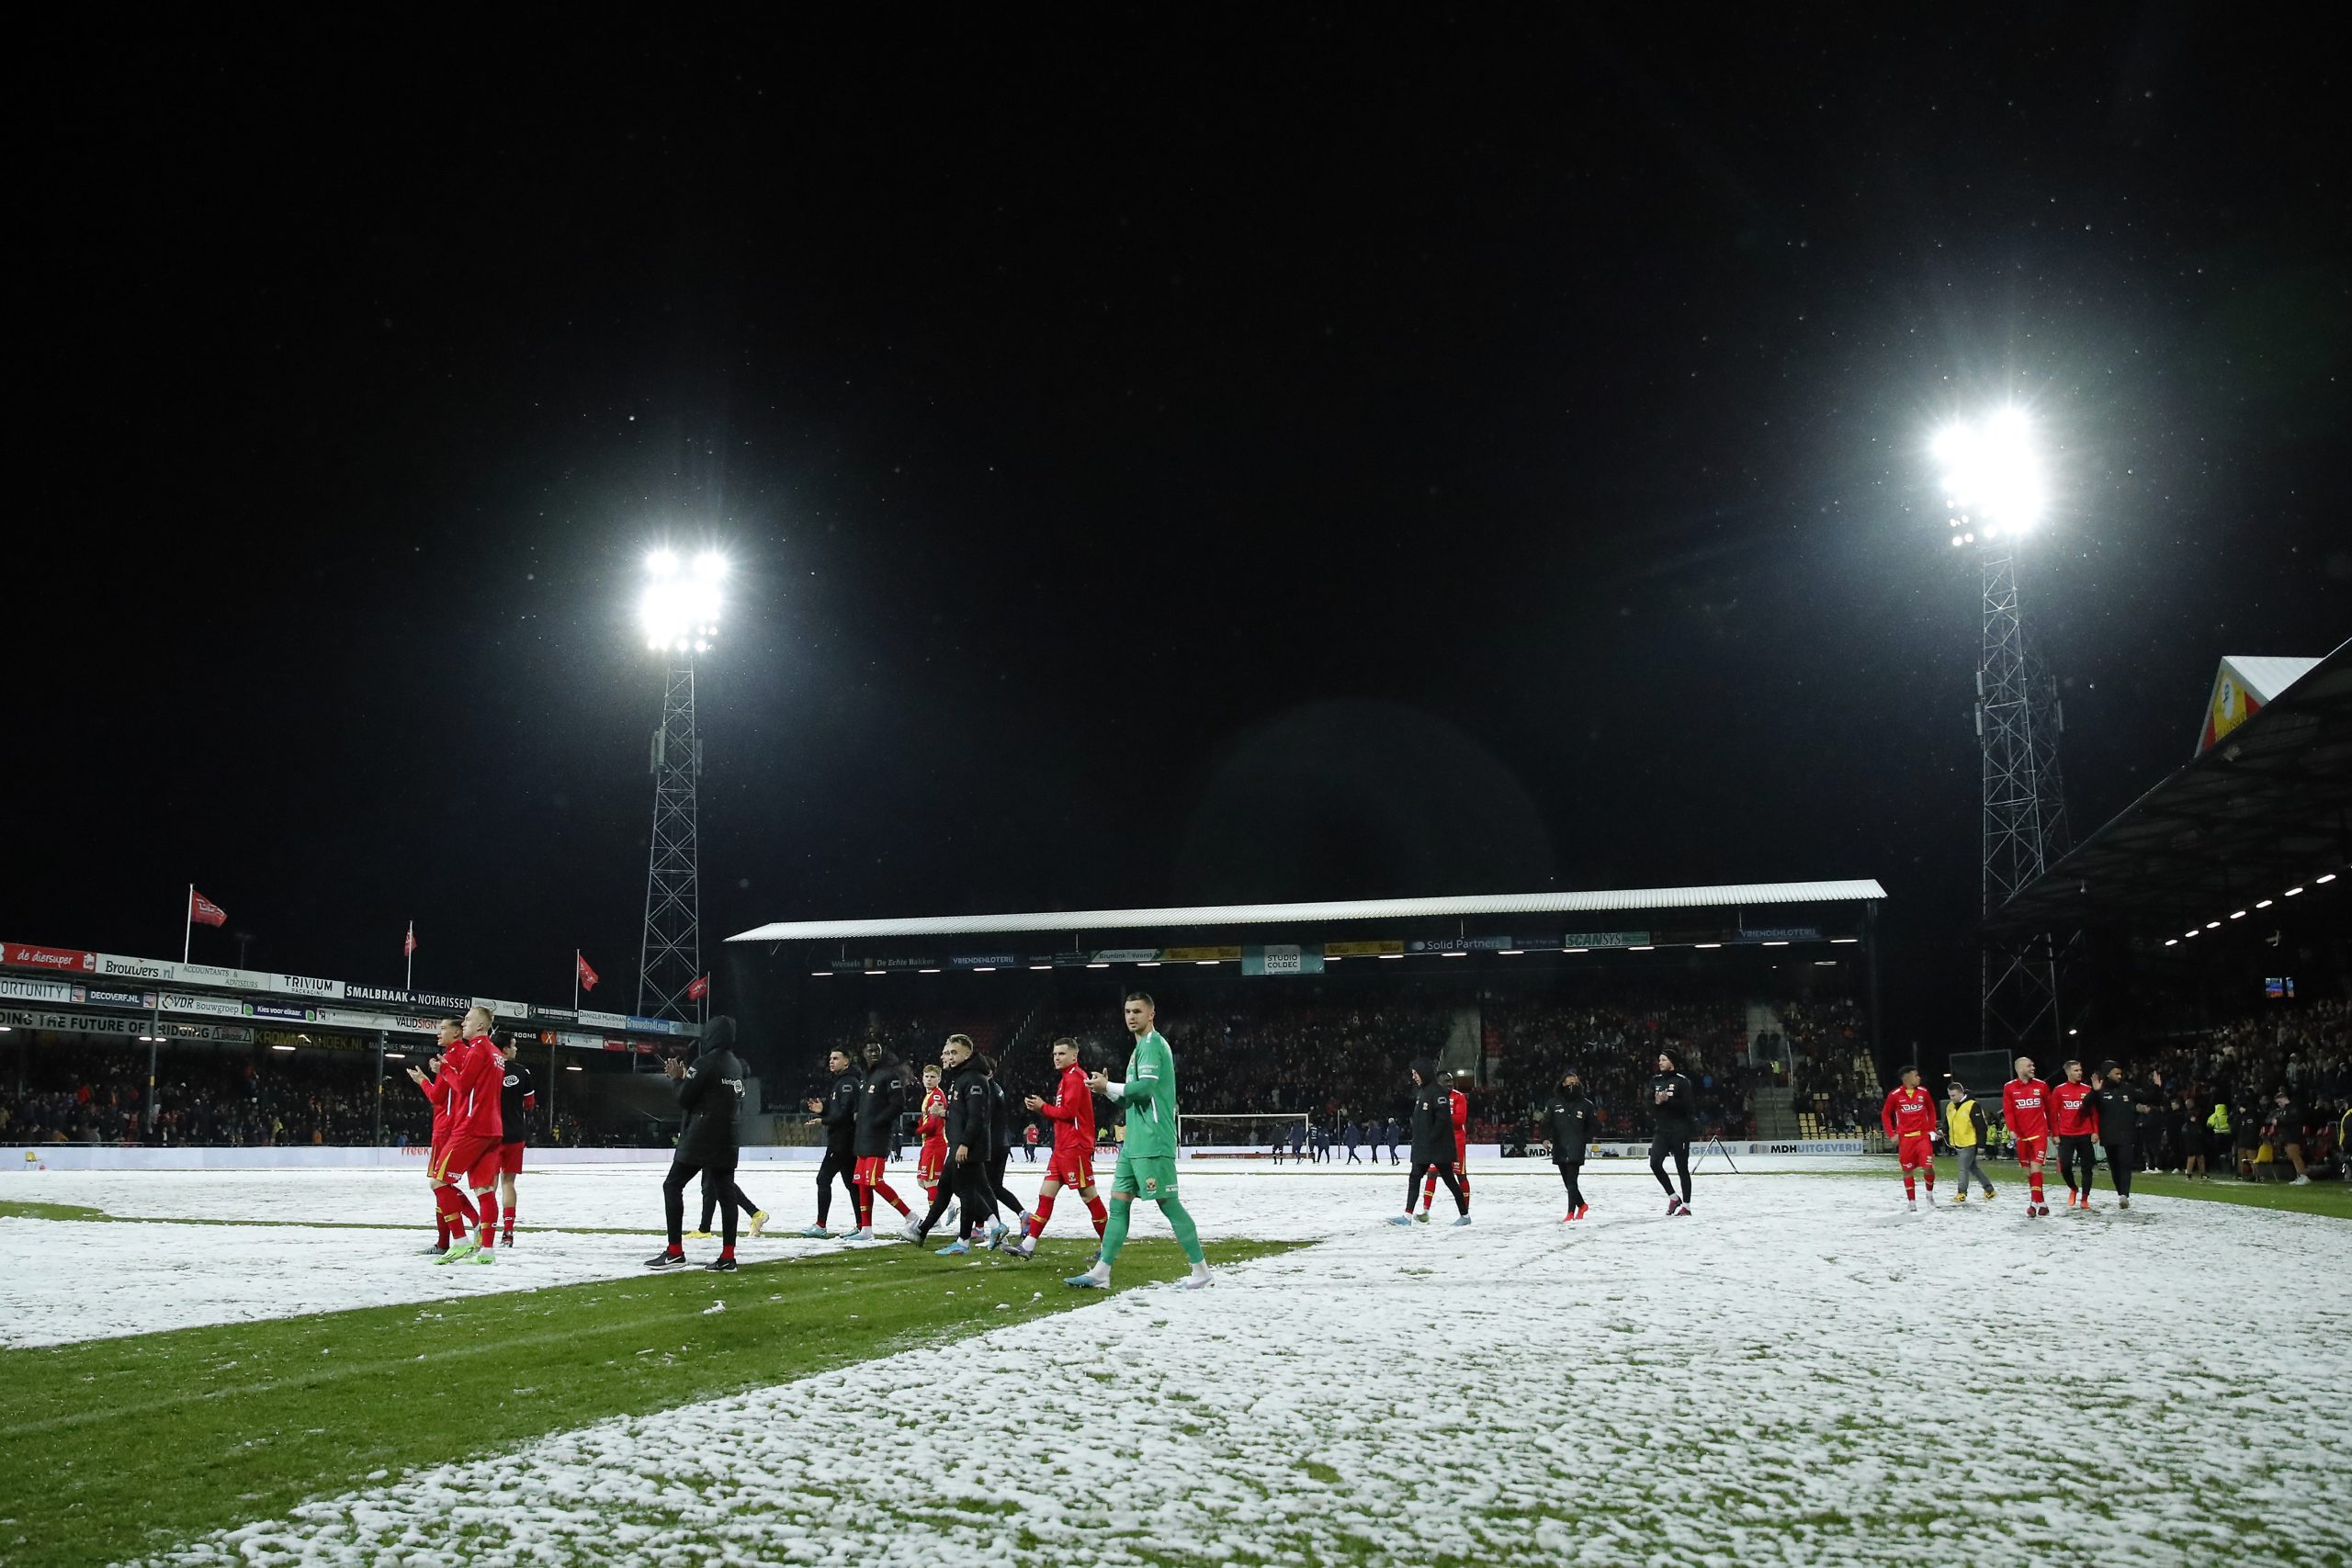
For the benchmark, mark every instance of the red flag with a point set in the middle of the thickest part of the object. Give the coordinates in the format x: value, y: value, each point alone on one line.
x: 204, y: 911
x: 587, y: 975
x: 408, y: 948
x: 699, y: 989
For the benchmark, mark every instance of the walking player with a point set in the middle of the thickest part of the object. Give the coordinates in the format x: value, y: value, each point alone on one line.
x: 1909, y: 1118
x: 1965, y: 1131
x: 1674, y: 1122
x: 2025, y: 1111
x: 838, y: 1113
x: 710, y: 1093
x: 1432, y: 1144
x: 2077, y: 1117
x: 1071, y: 1111
x: 882, y: 1095
x: 1146, y: 1163
x: 1568, y: 1122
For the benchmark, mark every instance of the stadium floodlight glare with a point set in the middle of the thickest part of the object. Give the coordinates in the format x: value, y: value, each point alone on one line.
x: 1992, y: 476
x: 2328, y: 878
x: 680, y: 607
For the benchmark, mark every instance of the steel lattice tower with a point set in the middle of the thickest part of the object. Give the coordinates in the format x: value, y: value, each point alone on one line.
x: 2017, y: 722
x: 670, y: 959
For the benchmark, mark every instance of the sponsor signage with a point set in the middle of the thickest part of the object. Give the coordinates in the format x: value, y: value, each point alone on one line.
x: 1066, y: 959
x: 1458, y: 944
x: 1126, y: 955
x: 1607, y: 938
x: 1778, y: 934
x: 503, y: 1010
x: 63, y: 960
x: 657, y: 1025
x: 211, y: 975
x: 113, y: 997
x: 556, y: 1015
x: 1548, y: 942
x: 1200, y: 954
x: 303, y: 985
x: 218, y: 1006
x: 1360, y: 949
x: 280, y: 1009
x: 602, y: 1019
x: 104, y: 1023
x: 855, y: 965
x: 448, y: 1004
x: 25, y: 990
x: 225, y: 1033
x: 137, y: 968
x: 1279, y: 959
x: 982, y: 961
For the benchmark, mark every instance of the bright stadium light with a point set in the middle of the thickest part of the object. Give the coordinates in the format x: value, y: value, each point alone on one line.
x: 680, y: 608
x: 1992, y: 476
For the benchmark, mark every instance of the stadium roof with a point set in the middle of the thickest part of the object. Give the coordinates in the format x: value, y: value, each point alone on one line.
x: 2269, y: 805
x: 1733, y: 895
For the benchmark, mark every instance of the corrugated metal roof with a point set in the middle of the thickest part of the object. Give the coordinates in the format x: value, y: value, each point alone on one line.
x: 2267, y: 675
x: 1733, y: 895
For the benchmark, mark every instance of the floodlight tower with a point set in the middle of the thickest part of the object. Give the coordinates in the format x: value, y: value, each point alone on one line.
x: 1994, y: 493
x: 680, y: 614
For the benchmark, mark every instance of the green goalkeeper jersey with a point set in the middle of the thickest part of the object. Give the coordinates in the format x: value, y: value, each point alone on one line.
x: 1150, y: 1097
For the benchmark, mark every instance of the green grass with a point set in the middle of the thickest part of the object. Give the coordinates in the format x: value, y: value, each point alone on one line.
x: 2331, y: 1200
x: 122, y: 1447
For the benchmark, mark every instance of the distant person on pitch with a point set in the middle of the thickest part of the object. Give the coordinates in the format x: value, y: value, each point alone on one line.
x: 1432, y: 1144
x: 837, y: 1112
x: 1909, y: 1118
x: 1459, y: 1105
x: 1674, y: 1102
x: 1965, y: 1134
x: 2025, y: 1111
x: 2119, y: 1107
x: 1071, y: 1111
x: 1567, y: 1122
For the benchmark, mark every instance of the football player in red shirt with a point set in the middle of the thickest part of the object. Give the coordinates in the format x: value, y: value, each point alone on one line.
x: 2025, y: 1111
x: 476, y: 1131
x: 1909, y: 1118
x: 930, y: 1127
x: 2075, y: 1110
x: 1461, y: 1105
x: 1072, y: 1115
x: 437, y: 1094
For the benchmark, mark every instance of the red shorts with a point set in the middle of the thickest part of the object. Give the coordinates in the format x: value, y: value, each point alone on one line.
x: 510, y: 1158
x: 467, y: 1159
x: 432, y: 1160
x: 1075, y: 1168
x: 933, y: 1162
x: 869, y: 1171
x: 1915, y: 1151
x: 2034, y: 1150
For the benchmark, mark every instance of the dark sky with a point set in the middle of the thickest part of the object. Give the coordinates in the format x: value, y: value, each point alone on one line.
x: 1297, y: 458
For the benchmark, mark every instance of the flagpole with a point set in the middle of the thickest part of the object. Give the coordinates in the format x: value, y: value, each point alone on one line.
x: 408, y: 949
x: 187, y: 923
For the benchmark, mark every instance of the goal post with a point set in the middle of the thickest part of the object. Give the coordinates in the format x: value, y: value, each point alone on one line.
x: 1263, y: 1134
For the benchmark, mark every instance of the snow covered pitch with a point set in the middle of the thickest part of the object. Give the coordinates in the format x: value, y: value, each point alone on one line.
x: 1802, y: 1373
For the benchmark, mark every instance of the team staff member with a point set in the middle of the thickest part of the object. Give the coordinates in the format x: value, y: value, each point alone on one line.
x: 971, y: 1127
x: 1966, y: 1133
x: 1674, y: 1122
x: 2117, y: 1107
x: 516, y: 1099
x: 1567, y: 1124
x: 475, y: 1133
x: 710, y: 1093
x: 2076, y: 1114
x: 1461, y: 1106
x: 838, y: 1113
x: 1433, y: 1143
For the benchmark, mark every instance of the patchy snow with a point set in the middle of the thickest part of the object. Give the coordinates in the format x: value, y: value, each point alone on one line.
x: 1803, y: 1374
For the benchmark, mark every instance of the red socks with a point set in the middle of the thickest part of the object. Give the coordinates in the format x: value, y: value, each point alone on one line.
x: 866, y: 1208
x: 888, y: 1197
x: 1039, y: 1215
x: 440, y: 1226
x: 452, y: 1203
x: 508, y: 1224
x: 1095, y: 1209
x: 1929, y: 1175
x: 726, y: 1252
x: 487, y: 1202
x: 1910, y: 1188
x: 2037, y: 1187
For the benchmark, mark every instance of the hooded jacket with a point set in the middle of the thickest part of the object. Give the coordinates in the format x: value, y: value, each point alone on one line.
x: 840, y: 1115
x: 1675, y: 1118
x: 882, y: 1095
x: 1004, y: 1111
x: 1567, y: 1124
x: 1432, y: 1118
x: 2119, y: 1111
x: 971, y: 1122
x: 711, y: 1094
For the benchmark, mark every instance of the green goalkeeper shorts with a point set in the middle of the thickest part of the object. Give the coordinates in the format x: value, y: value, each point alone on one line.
x: 1149, y: 1176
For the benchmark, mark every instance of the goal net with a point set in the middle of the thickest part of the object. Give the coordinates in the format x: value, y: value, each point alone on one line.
x: 1270, y: 1135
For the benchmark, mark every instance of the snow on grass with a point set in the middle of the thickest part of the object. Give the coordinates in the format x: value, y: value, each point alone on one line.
x: 1804, y: 1374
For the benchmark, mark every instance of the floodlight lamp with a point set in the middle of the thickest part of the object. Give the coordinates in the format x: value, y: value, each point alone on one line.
x: 711, y: 565
x: 662, y: 563
x: 1992, y: 475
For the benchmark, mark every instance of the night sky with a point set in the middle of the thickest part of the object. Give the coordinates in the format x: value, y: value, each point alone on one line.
x: 1261, y: 459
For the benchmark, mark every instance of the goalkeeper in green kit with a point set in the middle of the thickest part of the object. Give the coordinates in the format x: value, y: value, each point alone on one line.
x: 1147, y: 1166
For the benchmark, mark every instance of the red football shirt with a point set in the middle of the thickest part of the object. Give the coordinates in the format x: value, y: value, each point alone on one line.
x: 1461, y: 1119
x: 437, y: 1095
x: 931, y: 1126
x: 1072, y: 1112
x: 2077, y: 1113
x: 2025, y: 1108
x: 480, y: 1078
x: 1908, y: 1112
